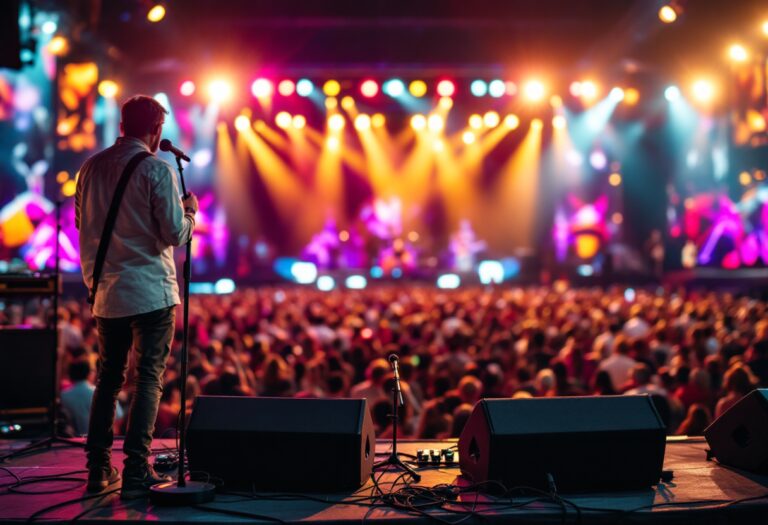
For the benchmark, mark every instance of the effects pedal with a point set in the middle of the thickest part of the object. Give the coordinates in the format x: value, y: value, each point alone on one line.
x: 166, y: 461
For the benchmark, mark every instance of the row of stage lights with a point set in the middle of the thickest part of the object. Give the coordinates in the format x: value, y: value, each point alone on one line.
x: 703, y: 90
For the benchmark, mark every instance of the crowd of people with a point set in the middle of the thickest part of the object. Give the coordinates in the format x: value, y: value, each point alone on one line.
x: 695, y: 353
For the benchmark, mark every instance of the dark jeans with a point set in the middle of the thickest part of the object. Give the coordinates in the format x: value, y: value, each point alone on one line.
x: 151, y: 335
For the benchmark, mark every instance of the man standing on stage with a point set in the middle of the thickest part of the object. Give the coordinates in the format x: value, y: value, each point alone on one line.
x: 137, y: 292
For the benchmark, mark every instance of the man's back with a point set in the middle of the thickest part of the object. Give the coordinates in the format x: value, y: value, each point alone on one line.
x: 139, y: 273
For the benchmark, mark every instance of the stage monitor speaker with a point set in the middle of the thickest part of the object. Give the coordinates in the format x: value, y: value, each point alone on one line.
x: 282, y: 443
x: 584, y: 443
x: 739, y: 437
x: 28, y: 369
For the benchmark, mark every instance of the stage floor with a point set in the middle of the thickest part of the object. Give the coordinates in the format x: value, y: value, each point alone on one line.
x: 701, y: 491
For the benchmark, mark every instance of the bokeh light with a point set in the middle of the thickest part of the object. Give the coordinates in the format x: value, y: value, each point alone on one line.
x: 394, y: 87
x: 58, y: 46
x: 512, y: 121
x: 332, y: 88
x: 157, y: 13
x: 336, y: 122
x: 497, y: 88
x: 286, y: 88
x: 362, y: 122
x: 304, y: 87
x: 667, y: 14
x: 418, y: 88
x: 242, y: 123
x: 418, y: 122
x: 220, y: 90
x: 108, y: 88
x: 187, y: 88
x: 446, y: 88
x: 475, y: 121
x: 369, y: 88
x: 479, y: 88
x: 534, y: 90
x: 738, y: 53
x: 378, y: 120
x: 491, y: 119
x: 299, y: 122
x: 283, y: 120
x: 262, y: 88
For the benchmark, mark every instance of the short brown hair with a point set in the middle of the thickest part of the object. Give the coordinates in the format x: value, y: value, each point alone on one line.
x: 141, y: 115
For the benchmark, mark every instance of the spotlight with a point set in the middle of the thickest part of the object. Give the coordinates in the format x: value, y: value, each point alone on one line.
x: 331, y: 103
x: 304, y: 272
x: 537, y: 124
x: 475, y: 121
x: 468, y: 137
x: 448, y: 281
x: 299, y: 122
x: 418, y: 122
x: 631, y: 96
x: 394, y: 87
x: 219, y: 90
x: 446, y: 103
x: 435, y: 123
x: 490, y: 272
x: 333, y: 143
x: 325, y: 283
x: 336, y: 122
x: 262, y: 88
x: 304, y: 87
x: 446, y: 88
x: 286, y: 88
x: 478, y: 88
x: 347, y: 102
x: 559, y: 122
x: 738, y: 53
x: 331, y: 88
x: 764, y: 27
x: 491, y: 119
x: 187, y: 88
x: 667, y: 14
x: 534, y: 90
x: 614, y: 179
x: 369, y: 88
x: 575, y: 88
x: 156, y: 14
x: 356, y: 282
x: 362, y: 122
x: 438, y: 146
x: 58, y: 46
x: 378, y: 120
x: 49, y: 27
x: 496, y: 88
x: 556, y: 101
x: 617, y: 94
x: 108, y: 88
x: 418, y: 88
x: 672, y: 93
x: 242, y: 123
x: 703, y: 91
x: 512, y: 121
x: 283, y: 120
x: 588, y: 90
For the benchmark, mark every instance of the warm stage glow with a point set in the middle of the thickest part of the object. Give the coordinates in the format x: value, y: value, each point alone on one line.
x: 703, y: 91
x: 468, y: 137
x: 631, y: 96
x: 242, y: 123
x: 262, y: 88
x: 534, y: 90
x: 491, y: 119
x: 336, y: 122
x: 435, y: 123
x: 512, y: 121
x: 667, y: 14
x: 446, y: 88
x: 475, y: 121
x: 219, y: 90
x: 283, y: 120
x: 347, y: 103
x: 362, y: 122
x: 187, y: 88
x: 58, y: 46
x: 418, y: 88
x: 418, y: 122
x: 378, y: 120
x: 156, y: 14
x: 108, y: 88
x: 332, y: 88
x: 559, y: 122
x: 286, y: 88
x: 299, y: 122
x: 738, y: 53
x: 614, y: 179
x: 369, y: 88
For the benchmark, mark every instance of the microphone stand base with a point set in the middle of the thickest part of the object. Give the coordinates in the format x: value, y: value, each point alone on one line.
x: 395, y: 461
x: 169, y: 493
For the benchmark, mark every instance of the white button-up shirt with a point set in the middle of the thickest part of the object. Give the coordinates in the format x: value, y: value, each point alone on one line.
x: 139, y: 274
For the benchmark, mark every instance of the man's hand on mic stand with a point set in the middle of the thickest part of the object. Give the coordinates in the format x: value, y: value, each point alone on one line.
x: 190, y: 203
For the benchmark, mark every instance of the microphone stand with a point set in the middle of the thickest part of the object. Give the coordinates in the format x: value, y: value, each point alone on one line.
x: 183, y: 491
x: 397, y: 401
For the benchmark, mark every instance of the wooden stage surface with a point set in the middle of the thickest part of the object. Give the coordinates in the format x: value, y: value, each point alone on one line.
x: 701, y: 491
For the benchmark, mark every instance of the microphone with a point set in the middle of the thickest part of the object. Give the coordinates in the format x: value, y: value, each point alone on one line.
x: 165, y: 145
x: 395, y: 362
